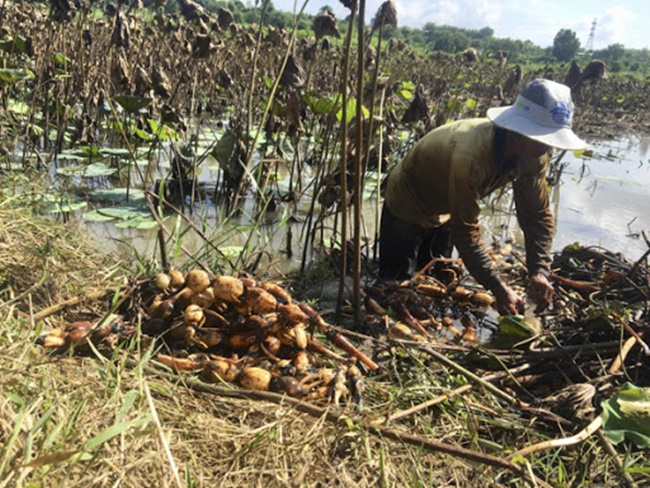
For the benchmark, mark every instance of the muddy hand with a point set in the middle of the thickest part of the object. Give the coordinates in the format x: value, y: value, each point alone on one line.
x: 540, y: 292
x: 508, y: 302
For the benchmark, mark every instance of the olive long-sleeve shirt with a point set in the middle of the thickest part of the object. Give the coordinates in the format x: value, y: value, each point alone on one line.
x: 446, y: 174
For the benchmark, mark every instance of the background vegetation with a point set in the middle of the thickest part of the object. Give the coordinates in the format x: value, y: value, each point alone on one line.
x: 565, y: 45
x: 122, y: 109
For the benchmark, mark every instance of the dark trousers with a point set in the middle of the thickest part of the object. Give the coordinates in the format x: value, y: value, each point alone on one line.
x: 405, y: 248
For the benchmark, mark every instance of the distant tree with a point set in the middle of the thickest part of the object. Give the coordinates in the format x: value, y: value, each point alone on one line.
x: 452, y: 42
x: 415, y: 36
x: 613, y: 56
x: 478, y: 35
x: 565, y: 45
x: 446, y: 38
x: 485, y: 33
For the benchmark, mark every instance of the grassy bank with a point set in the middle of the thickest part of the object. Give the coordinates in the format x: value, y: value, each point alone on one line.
x: 118, y: 419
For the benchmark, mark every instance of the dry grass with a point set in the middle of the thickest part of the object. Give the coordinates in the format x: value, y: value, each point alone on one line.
x: 68, y: 421
x: 90, y: 421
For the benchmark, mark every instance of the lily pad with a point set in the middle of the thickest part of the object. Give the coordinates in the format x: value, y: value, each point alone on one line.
x: 119, y: 152
x: 627, y: 416
x: 137, y: 222
x: 128, y: 215
x: 162, y: 132
x: 65, y: 207
x: 71, y: 156
x: 126, y: 211
x: 87, y: 171
x: 117, y: 195
x: 97, y: 216
x: 132, y: 103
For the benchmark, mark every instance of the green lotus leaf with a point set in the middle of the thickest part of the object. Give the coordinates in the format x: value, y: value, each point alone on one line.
x: 13, y: 76
x: 519, y: 326
x: 65, y: 207
x: 627, y: 416
x: 87, y: 170
x: 132, y: 103
x: 97, y: 216
x: 117, y: 195
x: 137, y: 222
x: 126, y: 211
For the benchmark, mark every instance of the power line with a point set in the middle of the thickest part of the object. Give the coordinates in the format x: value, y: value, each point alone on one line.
x: 590, y: 42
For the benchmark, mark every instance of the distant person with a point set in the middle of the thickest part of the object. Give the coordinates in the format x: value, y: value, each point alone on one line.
x: 432, y: 196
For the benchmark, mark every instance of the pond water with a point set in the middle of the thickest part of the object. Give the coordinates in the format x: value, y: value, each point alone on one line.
x: 601, y: 200
x: 605, y: 200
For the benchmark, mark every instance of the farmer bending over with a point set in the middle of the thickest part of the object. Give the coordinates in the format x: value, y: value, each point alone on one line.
x: 432, y: 196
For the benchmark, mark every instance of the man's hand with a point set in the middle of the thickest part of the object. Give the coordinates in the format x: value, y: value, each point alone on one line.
x: 508, y: 301
x: 540, y: 292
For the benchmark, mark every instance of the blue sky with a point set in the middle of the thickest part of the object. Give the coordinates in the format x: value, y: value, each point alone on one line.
x: 624, y: 22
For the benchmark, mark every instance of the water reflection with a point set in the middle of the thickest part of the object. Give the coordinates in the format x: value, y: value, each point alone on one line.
x: 604, y: 200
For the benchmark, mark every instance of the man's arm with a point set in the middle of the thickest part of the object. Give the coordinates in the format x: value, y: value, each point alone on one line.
x: 536, y: 221
x: 466, y: 234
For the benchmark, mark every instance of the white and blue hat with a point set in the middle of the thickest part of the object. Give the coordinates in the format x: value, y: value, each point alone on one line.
x: 543, y: 111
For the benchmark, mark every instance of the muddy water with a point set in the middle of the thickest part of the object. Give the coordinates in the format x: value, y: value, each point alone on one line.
x: 601, y: 201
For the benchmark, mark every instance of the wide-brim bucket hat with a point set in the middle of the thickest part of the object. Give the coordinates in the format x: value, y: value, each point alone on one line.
x: 543, y: 111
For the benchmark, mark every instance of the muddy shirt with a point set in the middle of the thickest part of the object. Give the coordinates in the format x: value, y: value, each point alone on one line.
x: 446, y: 174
